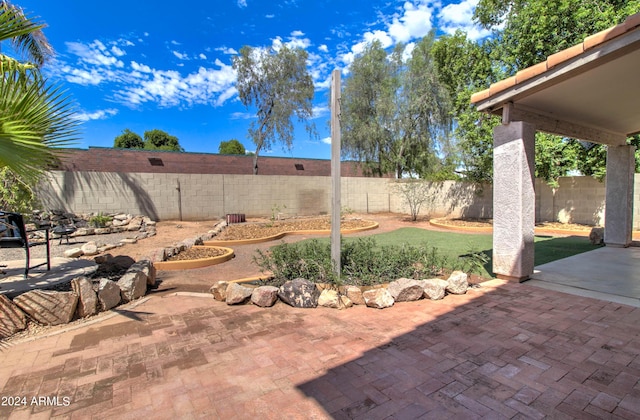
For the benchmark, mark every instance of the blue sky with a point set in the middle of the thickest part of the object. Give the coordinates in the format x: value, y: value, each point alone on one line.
x: 141, y: 64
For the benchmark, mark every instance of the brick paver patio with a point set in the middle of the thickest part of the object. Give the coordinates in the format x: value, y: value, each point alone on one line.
x: 501, y: 351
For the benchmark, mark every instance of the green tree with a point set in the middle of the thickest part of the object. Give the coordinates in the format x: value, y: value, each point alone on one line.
x: 128, y: 140
x: 465, y: 67
x: 36, y: 118
x: 160, y: 140
x: 231, y: 147
x: 395, y: 113
x: 15, y: 194
x: 526, y: 33
x: 278, y: 85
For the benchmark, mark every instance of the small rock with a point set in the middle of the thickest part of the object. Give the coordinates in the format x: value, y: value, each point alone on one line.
x: 133, y: 285
x: 354, y: 294
x: 596, y: 236
x: 457, y: 283
x: 237, y: 294
x: 299, y: 293
x: 87, y: 298
x: 405, y: 290
x: 332, y: 299
x: 434, y: 289
x: 219, y: 290
x: 109, y: 294
x: 378, y: 298
x: 264, y: 296
x: 90, y: 248
x: 73, y: 253
x: 128, y: 241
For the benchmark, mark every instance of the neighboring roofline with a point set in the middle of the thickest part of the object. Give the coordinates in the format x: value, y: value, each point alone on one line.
x: 504, y: 90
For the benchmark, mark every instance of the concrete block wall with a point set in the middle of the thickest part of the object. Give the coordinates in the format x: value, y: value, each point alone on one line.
x: 211, y: 196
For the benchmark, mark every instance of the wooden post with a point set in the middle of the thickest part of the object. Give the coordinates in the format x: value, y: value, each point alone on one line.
x: 335, y: 171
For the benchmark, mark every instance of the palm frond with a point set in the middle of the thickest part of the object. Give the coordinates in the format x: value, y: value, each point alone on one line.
x: 35, y: 120
x: 25, y: 34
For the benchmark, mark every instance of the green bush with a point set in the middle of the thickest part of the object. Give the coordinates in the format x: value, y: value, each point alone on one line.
x: 363, y: 262
x: 100, y: 220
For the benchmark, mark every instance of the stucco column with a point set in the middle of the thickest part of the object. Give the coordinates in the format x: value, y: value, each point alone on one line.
x: 618, y: 214
x: 513, y: 200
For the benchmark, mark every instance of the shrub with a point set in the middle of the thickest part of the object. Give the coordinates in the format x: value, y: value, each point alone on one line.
x: 100, y: 220
x: 363, y: 262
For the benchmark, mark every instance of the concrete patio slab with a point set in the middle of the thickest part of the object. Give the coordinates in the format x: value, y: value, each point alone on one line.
x: 62, y: 270
x: 607, y: 273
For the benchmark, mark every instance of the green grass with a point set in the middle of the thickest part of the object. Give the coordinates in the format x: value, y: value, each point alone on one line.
x: 454, y: 245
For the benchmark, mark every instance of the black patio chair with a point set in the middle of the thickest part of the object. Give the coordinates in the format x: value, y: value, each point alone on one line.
x: 14, y: 235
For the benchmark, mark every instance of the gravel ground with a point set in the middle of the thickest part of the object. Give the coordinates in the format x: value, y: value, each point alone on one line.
x: 39, y: 250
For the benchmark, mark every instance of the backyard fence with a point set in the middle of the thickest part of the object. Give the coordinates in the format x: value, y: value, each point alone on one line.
x: 171, y: 196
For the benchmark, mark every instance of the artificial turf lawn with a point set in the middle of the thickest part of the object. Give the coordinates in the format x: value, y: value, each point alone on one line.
x: 453, y: 245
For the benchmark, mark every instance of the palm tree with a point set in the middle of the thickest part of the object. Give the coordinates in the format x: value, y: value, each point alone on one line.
x: 35, y: 117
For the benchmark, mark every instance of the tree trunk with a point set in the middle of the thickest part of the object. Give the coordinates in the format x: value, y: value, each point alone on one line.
x: 255, y: 163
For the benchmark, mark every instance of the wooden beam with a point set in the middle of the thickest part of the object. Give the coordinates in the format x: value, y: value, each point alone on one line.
x: 550, y: 124
x: 336, y: 206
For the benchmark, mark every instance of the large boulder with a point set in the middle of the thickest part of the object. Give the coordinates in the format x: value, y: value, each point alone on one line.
x: 48, y: 307
x: 434, y: 289
x: 237, y: 294
x: 332, y: 299
x: 264, y: 296
x: 87, y: 298
x: 299, y: 293
x: 133, y: 285
x: 457, y: 283
x: 145, y: 266
x: 378, y: 298
x: 405, y: 290
x: 12, y: 319
x: 109, y: 294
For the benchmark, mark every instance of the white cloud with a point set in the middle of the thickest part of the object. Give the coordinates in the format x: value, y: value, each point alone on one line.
x: 460, y: 16
x: 326, y: 140
x: 242, y: 3
x: 180, y: 55
x: 270, y: 16
x: 96, y: 115
x: 415, y: 22
x: 138, y: 83
x: 201, y: 56
x: 227, y: 50
x: 323, y: 48
x: 297, y: 34
x: 241, y: 116
x: 320, y: 111
x: 117, y: 51
x: 94, y: 53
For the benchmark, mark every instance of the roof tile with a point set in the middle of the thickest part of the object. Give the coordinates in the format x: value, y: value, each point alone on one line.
x: 531, y: 72
x: 480, y: 96
x: 564, y: 55
x: 603, y: 36
x: 502, y: 85
x: 631, y: 22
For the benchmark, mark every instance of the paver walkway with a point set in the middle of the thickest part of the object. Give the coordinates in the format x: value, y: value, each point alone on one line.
x: 501, y: 351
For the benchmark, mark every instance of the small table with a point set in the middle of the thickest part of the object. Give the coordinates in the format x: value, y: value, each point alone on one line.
x: 64, y: 232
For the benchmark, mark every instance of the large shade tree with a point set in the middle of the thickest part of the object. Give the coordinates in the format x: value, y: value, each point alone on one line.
x: 36, y: 118
x: 277, y: 84
x: 395, y: 112
x: 525, y: 32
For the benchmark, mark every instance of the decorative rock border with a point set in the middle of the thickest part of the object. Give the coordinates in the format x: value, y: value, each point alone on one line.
x: 440, y: 224
x: 301, y: 293
x: 87, y: 298
x: 196, y: 263
x: 374, y: 225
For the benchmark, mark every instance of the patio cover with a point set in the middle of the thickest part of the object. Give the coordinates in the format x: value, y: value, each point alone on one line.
x: 590, y: 91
